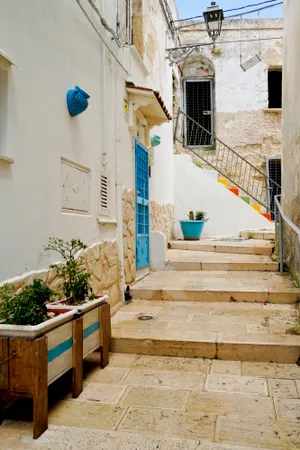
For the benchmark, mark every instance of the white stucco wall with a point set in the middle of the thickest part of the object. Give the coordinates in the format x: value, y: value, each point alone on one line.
x: 196, y: 190
x: 55, y: 48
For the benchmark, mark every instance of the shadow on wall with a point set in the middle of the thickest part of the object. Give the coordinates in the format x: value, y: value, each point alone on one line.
x: 195, y: 190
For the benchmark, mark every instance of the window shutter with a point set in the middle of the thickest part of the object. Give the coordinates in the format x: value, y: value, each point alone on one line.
x: 104, y: 193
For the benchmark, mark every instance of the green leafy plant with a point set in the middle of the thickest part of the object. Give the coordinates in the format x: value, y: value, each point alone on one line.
x: 26, y: 308
x: 197, y: 215
x: 76, y: 280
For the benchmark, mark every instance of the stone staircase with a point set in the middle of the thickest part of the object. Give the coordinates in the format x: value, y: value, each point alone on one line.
x: 219, y: 299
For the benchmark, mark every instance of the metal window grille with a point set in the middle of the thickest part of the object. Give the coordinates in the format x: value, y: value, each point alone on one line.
x: 199, y: 106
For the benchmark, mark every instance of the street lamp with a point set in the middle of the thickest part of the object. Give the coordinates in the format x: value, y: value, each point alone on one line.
x: 213, y: 17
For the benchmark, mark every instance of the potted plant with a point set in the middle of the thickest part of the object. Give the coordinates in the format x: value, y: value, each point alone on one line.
x: 37, y: 346
x: 193, y: 227
x: 79, y: 296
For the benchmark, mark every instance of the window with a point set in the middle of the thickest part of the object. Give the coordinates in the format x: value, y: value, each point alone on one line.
x: 275, y: 88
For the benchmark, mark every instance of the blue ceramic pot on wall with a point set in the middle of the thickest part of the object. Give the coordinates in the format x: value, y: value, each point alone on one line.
x: 192, y: 229
x: 77, y: 101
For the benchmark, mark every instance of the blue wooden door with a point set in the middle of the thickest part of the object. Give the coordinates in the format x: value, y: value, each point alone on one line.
x: 142, y: 206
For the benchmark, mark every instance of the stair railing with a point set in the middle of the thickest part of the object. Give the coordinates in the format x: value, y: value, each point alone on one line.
x: 280, y: 218
x: 230, y: 164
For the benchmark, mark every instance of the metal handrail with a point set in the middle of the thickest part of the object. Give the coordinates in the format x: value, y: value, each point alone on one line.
x: 242, y: 173
x: 279, y: 213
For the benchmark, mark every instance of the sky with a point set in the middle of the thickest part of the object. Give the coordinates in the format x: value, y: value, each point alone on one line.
x: 189, y: 8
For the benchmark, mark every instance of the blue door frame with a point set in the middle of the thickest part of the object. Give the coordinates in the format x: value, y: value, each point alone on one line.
x: 142, y: 206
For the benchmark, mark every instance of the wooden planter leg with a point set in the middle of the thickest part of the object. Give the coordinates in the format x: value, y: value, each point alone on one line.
x: 105, y: 333
x: 40, y: 387
x: 3, y: 375
x: 77, y: 372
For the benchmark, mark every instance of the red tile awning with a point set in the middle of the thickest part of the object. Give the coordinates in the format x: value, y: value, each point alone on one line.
x: 156, y: 107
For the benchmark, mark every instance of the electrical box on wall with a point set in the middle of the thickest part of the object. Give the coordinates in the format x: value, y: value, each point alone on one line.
x: 75, y: 187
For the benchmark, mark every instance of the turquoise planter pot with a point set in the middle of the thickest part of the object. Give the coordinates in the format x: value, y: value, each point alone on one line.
x: 192, y: 229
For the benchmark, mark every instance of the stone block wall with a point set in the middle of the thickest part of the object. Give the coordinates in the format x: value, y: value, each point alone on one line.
x: 100, y: 260
x: 129, y: 236
x: 163, y: 219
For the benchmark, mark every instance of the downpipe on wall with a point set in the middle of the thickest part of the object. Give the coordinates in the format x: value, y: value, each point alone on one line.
x: 119, y: 196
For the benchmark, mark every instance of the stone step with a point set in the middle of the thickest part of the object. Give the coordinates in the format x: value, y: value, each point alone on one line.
x: 234, y: 245
x: 197, y: 260
x: 258, y: 234
x: 223, y: 286
x: 250, y: 332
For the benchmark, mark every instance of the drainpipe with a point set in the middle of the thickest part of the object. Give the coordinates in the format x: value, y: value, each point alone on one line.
x: 119, y: 192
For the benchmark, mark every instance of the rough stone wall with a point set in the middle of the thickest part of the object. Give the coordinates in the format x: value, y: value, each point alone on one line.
x: 163, y: 219
x: 129, y: 236
x: 241, y: 115
x: 100, y: 260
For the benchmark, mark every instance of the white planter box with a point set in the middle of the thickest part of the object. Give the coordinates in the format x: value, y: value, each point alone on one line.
x: 91, y: 322
x: 59, y: 333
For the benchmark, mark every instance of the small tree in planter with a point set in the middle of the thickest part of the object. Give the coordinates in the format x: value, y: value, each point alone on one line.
x: 79, y: 295
x: 193, y: 228
x: 76, y: 280
x: 32, y: 339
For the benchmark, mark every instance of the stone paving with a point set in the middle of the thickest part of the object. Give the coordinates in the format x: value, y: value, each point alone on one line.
x: 209, y: 285
x: 244, y: 331
x: 188, y: 260
x: 166, y: 403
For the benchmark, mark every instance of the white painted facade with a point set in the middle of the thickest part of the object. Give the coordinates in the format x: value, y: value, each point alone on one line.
x: 54, y: 48
x: 196, y: 190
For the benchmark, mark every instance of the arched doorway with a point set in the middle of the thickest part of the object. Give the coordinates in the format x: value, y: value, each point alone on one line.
x: 198, y: 100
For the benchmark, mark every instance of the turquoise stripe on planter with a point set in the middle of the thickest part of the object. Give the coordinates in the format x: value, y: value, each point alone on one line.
x: 55, y: 352
x: 91, y: 329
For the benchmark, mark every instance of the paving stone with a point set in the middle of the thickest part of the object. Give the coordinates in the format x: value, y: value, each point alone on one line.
x: 236, y: 384
x: 109, y: 375
x: 272, y: 434
x: 176, y: 380
x: 121, y: 360
x: 104, y: 393
x: 215, y: 446
x: 148, y: 397
x: 231, y: 404
x: 86, y: 414
x: 63, y: 438
x: 166, y: 363
x: 287, y: 409
x: 188, y: 348
x: 172, y: 423
x: 226, y: 367
x: 282, y: 388
x: 271, y: 370
x: 274, y: 348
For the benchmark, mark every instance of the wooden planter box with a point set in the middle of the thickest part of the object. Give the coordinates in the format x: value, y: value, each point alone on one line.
x: 96, y: 326
x: 33, y: 357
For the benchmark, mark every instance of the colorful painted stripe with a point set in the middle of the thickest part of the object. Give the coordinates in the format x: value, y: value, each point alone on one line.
x: 57, y: 351
x: 91, y: 329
